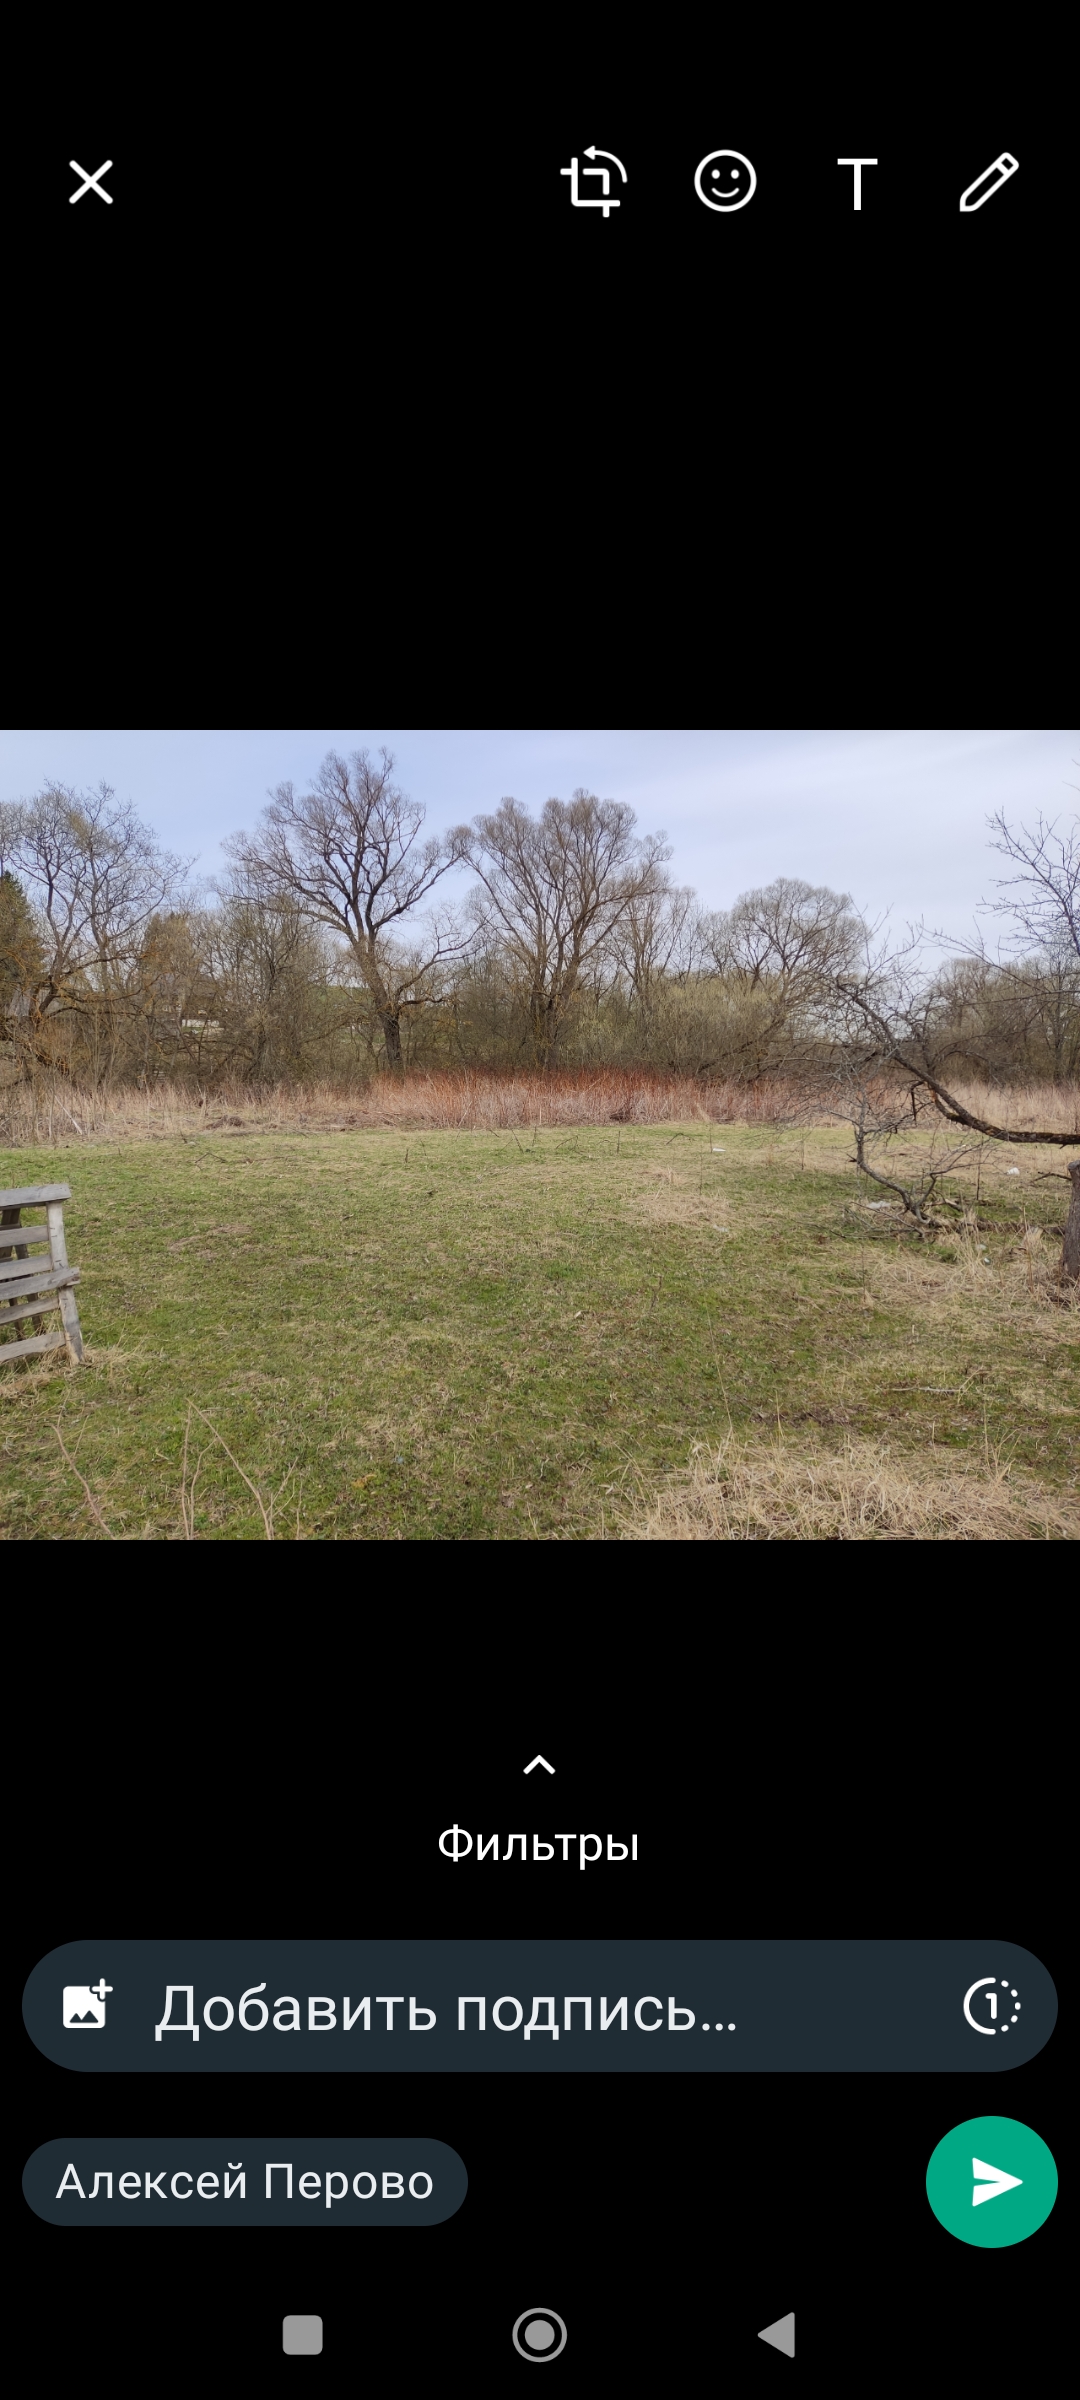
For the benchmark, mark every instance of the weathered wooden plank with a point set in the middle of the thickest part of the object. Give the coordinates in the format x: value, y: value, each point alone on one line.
x: 38, y: 1341
x: 68, y: 1309
x: 54, y: 1217
x: 1070, y: 1248
x: 35, y: 1195
x: 72, y: 1327
x: 22, y: 1233
x: 28, y: 1308
x: 36, y: 1272
x: 70, y: 1315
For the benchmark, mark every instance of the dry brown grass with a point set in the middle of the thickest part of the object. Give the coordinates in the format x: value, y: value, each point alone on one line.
x: 446, y: 1102
x: 1024, y: 1107
x: 460, y: 1100
x: 865, y: 1492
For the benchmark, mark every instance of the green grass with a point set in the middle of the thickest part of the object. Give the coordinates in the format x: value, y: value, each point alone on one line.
x: 465, y: 1336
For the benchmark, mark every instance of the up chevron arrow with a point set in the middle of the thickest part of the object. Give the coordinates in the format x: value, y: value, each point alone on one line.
x: 538, y: 1762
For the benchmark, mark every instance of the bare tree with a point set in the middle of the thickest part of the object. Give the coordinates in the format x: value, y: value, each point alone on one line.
x: 1011, y: 1017
x: 775, y: 956
x: 264, y: 1004
x: 910, y: 1018
x: 877, y: 1122
x: 791, y: 935
x: 1044, y: 893
x: 893, y: 1016
x: 1019, y: 1012
x: 21, y: 959
x: 348, y: 854
x: 912, y: 1015
x: 552, y: 891
x: 658, y: 939
x: 95, y: 877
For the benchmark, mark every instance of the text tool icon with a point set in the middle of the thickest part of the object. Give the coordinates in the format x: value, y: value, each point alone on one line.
x: 603, y: 177
x: 986, y: 184
x: 858, y: 164
x: 90, y: 183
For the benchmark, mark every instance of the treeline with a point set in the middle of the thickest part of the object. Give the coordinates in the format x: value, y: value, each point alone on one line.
x: 329, y: 950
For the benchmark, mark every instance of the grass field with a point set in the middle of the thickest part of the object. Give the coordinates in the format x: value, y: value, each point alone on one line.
x: 501, y: 1335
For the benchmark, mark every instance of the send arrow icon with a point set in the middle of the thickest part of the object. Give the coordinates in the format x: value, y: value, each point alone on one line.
x: 990, y: 2181
x: 959, y: 2163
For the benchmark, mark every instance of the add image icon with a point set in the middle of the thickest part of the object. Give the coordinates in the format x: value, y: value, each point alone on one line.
x: 84, y: 2005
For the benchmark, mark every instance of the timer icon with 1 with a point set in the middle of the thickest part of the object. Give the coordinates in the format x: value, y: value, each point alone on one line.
x: 991, y: 1997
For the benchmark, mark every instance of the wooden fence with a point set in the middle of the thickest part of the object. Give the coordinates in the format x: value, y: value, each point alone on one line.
x: 31, y: 1287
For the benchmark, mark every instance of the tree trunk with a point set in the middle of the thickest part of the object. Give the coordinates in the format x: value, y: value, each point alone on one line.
x: 547, y: 1024
x: 1070, y: 1255
x: 392, y: 1038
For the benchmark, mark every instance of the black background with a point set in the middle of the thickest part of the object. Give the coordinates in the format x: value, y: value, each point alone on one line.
x: 341, y: 391
x: 666, y: 2219
x: 423, y: 216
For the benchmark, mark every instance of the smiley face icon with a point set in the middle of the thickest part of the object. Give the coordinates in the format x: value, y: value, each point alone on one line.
x: 725, y: 181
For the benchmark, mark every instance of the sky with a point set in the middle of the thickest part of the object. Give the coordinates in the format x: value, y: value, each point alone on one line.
x: 897, y: 820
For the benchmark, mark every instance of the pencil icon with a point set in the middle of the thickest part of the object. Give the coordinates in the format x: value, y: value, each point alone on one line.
x: 988, y: 183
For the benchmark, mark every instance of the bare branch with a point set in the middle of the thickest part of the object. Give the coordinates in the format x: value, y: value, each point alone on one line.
x: 902, y: 1026
x: 1046, y: 889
